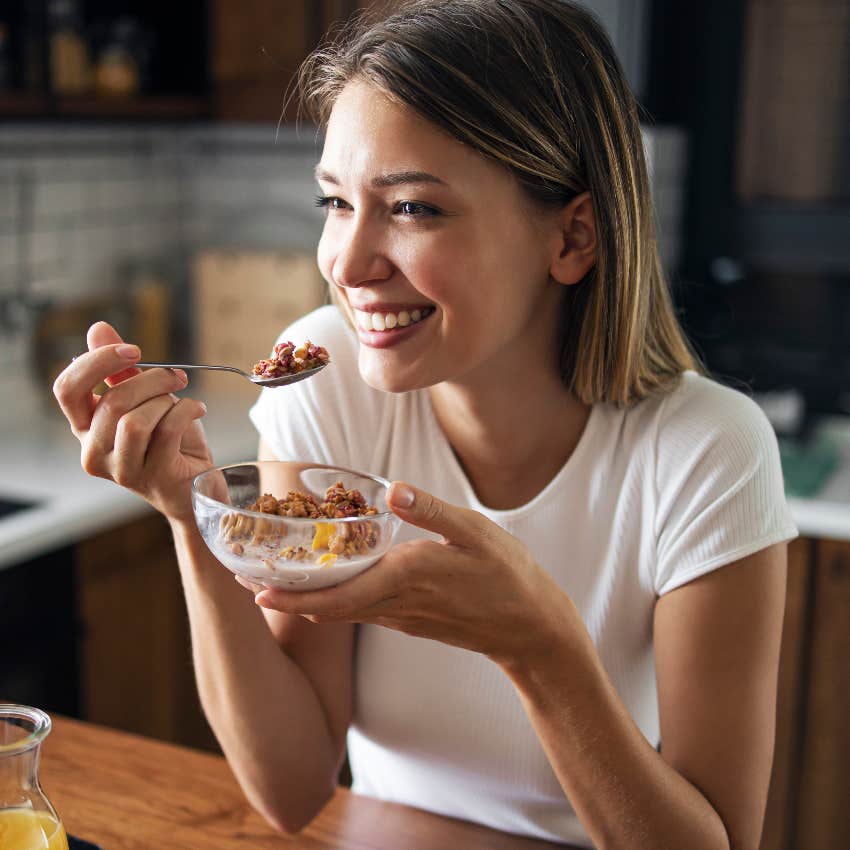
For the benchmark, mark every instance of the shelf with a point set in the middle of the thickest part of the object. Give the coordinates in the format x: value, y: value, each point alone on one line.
x: 147, y: 107
x: 13, y: 105
x: 142, y: 108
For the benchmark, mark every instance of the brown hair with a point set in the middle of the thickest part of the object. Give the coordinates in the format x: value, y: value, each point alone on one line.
x: 535, y: 86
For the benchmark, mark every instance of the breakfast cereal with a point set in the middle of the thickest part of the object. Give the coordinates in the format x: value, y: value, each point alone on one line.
x: 330, y: 540
x: 286, y: 359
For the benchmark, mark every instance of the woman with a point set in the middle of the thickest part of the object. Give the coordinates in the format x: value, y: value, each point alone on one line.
x: 502, y: 339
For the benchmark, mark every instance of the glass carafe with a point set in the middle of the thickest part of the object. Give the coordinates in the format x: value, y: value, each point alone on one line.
x: 28, y: 821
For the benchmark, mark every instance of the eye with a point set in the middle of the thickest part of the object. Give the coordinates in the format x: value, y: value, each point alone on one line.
x: 414, y: 209
x: 330, y: 202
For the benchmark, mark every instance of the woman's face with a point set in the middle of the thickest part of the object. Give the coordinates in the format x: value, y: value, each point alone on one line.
x: 437, y: 256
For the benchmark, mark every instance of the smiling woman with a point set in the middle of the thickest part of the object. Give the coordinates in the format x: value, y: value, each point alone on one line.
x: 576, y: 634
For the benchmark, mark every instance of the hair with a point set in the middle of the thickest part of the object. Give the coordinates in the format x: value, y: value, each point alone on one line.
x: 535, y: 86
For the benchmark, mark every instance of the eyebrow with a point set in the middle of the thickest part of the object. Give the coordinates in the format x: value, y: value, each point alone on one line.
x: 383, y: 181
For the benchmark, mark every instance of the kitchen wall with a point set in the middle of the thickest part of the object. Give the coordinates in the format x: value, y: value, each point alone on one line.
x: 86, y: 210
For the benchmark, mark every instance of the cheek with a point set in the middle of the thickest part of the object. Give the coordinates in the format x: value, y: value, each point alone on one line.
x: 324, y: 257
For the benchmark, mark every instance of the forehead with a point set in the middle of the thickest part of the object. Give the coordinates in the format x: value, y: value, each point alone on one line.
x: 369, y: 134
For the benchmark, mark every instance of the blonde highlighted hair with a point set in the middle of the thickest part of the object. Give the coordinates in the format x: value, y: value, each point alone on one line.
x: 535, y: 86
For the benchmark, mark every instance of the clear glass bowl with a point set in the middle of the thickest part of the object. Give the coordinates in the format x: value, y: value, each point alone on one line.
x: 292, y: 553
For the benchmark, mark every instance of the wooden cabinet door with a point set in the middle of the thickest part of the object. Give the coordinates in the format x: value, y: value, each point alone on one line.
x: 823, y: 819
x: 135, y: 657
x: 256, y: 48
x: 784, y: 780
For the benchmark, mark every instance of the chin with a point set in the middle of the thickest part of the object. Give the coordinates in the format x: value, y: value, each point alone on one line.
x: 388, y: 380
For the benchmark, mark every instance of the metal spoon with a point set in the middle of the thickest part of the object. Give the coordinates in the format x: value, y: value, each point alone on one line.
x: 280, y: 381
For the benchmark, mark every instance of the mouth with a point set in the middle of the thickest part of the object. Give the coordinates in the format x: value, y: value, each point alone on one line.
x: 384, y: 321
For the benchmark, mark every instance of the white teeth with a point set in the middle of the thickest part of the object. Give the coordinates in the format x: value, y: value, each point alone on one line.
x: 388, y: 321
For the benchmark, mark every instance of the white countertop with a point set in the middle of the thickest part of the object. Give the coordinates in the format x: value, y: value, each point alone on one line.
x: 40, y: 462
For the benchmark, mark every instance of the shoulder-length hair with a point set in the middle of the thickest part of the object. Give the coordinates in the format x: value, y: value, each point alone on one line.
x: 535, y: 86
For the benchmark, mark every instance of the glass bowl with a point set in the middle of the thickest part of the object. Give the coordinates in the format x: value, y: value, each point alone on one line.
x: 287, y: 552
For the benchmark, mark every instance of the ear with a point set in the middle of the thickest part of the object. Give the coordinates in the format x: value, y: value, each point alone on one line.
x: 574, y: 253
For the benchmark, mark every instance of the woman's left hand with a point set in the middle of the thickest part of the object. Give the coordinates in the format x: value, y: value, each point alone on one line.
x: 478, y: 588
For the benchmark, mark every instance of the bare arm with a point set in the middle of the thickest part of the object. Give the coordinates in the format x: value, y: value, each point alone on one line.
x: 717, y: 645
x: 278, y: 699
x: 277, y: 693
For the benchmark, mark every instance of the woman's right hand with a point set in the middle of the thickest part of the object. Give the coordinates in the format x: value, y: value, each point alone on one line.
x: 137, y: 433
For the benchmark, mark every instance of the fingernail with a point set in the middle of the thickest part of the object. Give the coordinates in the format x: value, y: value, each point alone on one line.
x: 402, y: 496
x: 181, y: 375
x: 131, y: 352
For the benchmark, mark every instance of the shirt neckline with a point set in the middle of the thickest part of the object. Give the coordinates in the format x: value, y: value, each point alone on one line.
x: 563, y: 474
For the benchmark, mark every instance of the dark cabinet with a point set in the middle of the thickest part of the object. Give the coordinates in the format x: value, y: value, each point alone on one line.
x: 38, y: 622
x: 810, y: 786
x: 134, y: 649
x: 101, y: 59
x: 200, y: 59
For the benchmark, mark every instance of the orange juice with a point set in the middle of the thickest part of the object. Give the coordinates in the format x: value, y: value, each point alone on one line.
x: 24, y: 829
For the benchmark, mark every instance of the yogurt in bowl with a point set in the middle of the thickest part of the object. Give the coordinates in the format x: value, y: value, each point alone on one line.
x: 293, y: 525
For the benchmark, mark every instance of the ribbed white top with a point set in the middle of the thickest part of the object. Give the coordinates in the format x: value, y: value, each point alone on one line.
x: 651, y: 498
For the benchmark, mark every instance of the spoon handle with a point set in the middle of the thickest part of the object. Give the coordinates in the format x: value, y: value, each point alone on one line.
x: 194, y: 366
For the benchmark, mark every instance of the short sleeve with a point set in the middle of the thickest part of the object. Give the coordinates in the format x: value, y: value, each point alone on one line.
x: 320, y: 419
x: 719, y: 487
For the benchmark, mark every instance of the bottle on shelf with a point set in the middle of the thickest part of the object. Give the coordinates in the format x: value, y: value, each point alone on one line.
x: 70, y: 69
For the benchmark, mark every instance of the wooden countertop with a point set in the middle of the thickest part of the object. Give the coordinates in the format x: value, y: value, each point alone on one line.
x: 125, y: 792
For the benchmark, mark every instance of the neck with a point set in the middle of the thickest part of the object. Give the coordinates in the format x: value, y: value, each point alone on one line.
x: 511, y: 435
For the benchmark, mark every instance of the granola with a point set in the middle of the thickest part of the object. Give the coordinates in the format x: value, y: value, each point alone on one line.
x: 286, y: 359
x: 330, y: 540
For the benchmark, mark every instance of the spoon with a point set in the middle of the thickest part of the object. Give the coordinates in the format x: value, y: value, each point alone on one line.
x: 279, y: 381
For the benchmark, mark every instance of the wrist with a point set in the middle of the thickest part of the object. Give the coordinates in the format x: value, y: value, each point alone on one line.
x: 185, y: 531
x: 554, y: 645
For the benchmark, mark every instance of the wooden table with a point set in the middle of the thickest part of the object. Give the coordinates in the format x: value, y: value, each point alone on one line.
x: 125, y: 792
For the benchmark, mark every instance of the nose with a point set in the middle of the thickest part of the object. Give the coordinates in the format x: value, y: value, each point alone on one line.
x: 360, y: 258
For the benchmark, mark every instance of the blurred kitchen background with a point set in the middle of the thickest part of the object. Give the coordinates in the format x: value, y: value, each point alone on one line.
x: 151, y: 174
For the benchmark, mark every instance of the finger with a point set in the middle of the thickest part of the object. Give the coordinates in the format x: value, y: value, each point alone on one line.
x: 132, y: 438
x: 175, y: 433
x: 457, y: 525
x: 74, y: 386
x: 120, y: 400
x: 101, y: 334
x: 248, y: 585
x: 355, y: 599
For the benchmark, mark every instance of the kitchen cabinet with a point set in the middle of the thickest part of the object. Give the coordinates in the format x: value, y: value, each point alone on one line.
x: 257, y: 47
x: 134, y: 651
x: 810, y: 785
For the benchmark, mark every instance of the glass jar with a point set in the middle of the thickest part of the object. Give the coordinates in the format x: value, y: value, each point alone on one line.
x: 28, y: 821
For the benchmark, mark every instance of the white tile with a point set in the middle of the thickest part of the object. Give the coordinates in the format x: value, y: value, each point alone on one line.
x: 8, y: 198
x: 9, y: 250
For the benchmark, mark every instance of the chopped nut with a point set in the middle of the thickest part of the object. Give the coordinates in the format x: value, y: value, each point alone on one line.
x: 286, y: 359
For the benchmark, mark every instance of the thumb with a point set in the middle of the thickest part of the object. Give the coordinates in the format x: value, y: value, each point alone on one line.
x: 456, y: 524
x: 100, y: 334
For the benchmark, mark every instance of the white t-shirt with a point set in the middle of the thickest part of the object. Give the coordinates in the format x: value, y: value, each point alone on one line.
x: 652, y: 497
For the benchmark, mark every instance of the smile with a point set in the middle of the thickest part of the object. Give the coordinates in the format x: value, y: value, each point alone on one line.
x: 384, y: 321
